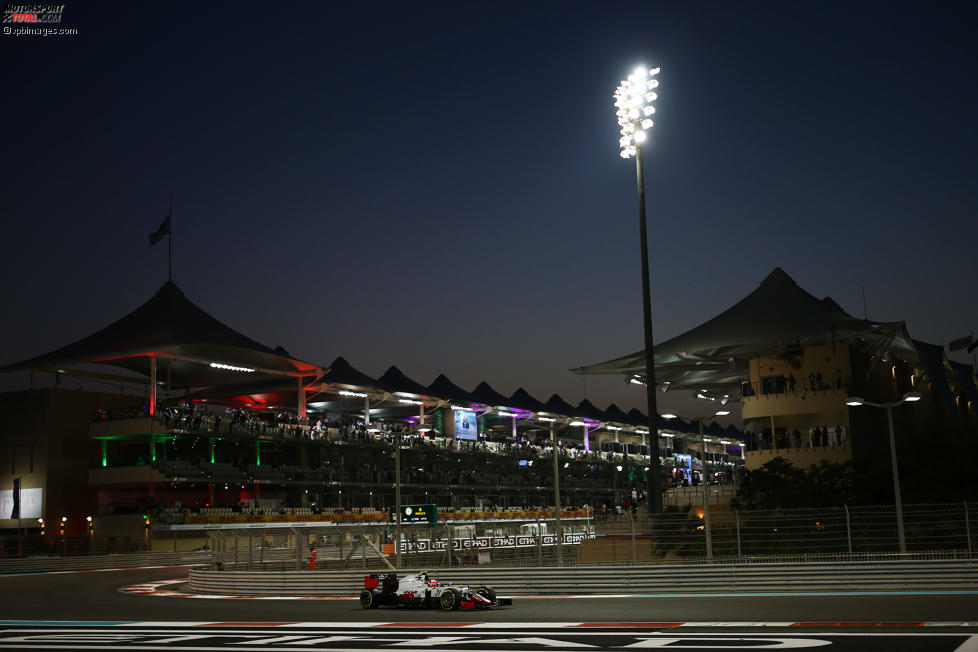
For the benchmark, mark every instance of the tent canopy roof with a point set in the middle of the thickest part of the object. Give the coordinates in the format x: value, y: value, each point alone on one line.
x: 772, y: 320
x: 171, y: 327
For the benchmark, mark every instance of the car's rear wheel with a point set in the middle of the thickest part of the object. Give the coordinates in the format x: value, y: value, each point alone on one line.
x: 487, y: 592
x: 450, y: 599
x: 368, y: 599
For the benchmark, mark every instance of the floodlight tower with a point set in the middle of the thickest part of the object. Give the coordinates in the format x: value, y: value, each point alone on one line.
x: 634, y: 100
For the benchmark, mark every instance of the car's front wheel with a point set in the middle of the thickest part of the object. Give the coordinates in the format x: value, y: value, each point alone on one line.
x: 450, y: 599
x: 487, y: 592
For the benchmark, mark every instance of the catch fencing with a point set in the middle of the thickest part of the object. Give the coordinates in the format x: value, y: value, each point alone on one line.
x: 900, y: 575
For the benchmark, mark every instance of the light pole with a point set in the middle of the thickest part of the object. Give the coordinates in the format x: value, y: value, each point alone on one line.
x: 560, y: 531
x: 706, y: 486
x: 909, y: 397
x: 633, y: 99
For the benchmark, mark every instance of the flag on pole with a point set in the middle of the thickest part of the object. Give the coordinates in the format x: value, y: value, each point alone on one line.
x: 164, y: 230
x: 957, y: 345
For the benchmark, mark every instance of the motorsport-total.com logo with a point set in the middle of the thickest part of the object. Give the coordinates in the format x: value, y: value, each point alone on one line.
x: 49, y: 14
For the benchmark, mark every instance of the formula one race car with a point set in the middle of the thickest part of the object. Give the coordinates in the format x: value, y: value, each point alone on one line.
x: 422, y: 591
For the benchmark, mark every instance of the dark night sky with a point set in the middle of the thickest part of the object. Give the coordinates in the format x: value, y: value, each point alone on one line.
x: 438, y: 186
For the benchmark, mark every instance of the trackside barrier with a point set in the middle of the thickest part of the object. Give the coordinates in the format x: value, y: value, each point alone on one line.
x: 718, y: 578
x: 43, y: 564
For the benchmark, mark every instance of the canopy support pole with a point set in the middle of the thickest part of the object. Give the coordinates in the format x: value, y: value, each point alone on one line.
x: 152, y: 385
x: 302, y: 397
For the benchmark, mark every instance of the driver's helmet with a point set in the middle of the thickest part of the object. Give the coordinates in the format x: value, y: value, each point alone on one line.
x: 423, y: 575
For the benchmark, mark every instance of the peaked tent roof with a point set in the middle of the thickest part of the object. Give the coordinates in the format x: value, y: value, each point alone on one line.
x: 557, y: 405
x: 637, y: 418
x: 615, y: 414
x: 442, y: 387
x: 394, y: 380
x: 171, y: 326
x: 773, y: 319
x: 522, y: 400
x: 342, y: 372
x: 485, y: 394
x: 586, y: 409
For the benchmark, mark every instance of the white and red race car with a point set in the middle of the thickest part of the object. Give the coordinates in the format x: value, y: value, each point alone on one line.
x: 422, y: 591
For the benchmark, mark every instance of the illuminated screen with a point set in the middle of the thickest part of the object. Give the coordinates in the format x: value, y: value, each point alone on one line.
x: 466, y: 425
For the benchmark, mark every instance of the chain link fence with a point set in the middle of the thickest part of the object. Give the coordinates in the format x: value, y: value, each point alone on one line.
x: 841, y: 533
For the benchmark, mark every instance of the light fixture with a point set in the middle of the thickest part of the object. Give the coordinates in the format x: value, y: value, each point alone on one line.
x: 642, y: 432
x: 578, y: 423
x: 910, y: 397
x: 618, y: 467
x: 854, y: 401
x: 64, y: 518
x: 344, y: 392
x: 88, y: 518
x: 424, y: 429
x: 230, y: 367
x: 664, y: 434
x: 633, y: 99
x: 375, y: 429
x: 612, y: 428
x: 409, y: 401
x: 503, y: 413
x: 635, y: 380
x: 547, y: 419
x: 722, y: 413
x: 668, y: 415
x: 462, y: 409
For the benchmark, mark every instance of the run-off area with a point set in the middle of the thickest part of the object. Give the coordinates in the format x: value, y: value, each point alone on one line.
x: 450, y: 639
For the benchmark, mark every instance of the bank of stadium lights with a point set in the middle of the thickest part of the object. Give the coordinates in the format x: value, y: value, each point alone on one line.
x: 633, y: 99
x: 344, y: 392
x: 578, y: 423
x: 503, y: 413
x: 547, y: 419
x: 409, y: 401
x: 231, y: 367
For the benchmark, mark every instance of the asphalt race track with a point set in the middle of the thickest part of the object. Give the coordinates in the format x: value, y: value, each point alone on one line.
x: 37, y: 605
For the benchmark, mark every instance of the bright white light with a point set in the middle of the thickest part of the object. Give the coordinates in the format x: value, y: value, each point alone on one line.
x: 725, y: 441
x: 666, y: 434
x: 612, y: 428
x: 578, y: 423
x: 668, y: 415
x: 356, y: 394
x: 88, y: 518
x: 462, y: 409
x: 507, y: 414
x: 230, y: 367
x: 910, y: 397
x: 618, y: 467
x: 642, y: 432
x: 410, y: 401
x: 566, y: 464
x: 707, y: 439
x: 854, y: 401
x: 633, y: 99
x: 722, y: 413
x: 424, y: 429
x: 636, y: 381
x: 548, y: 419
x: 374, y: 429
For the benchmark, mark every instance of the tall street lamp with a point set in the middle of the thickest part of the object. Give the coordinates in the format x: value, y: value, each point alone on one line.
x: 909, y: 397
x: 633, y: 99
x: 706, y: 486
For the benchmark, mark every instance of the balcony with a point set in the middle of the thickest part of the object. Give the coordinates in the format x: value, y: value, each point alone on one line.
x: 789, y: 403
x: 800, y: 457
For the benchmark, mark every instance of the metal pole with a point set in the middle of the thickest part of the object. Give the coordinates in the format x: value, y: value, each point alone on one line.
x: 397, y: 498
x: 848, y: 532
x: 737, y: 524
x: 655, y: 484
x: 901, y: 536
x: 560, y: 531
x: 706, y: 496
x: 634, y: 551
x: 967, y: 528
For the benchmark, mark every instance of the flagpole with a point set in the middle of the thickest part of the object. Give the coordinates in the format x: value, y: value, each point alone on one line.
x: 169, y: 244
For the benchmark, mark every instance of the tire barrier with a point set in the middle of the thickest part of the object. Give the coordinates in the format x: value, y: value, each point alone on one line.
x: 716, y: 578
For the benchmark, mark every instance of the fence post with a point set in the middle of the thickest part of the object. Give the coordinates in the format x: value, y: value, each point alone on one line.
x: 737, y: 523
x: 848, y: 532
x: 634, y: 552
x: 967, y: 528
